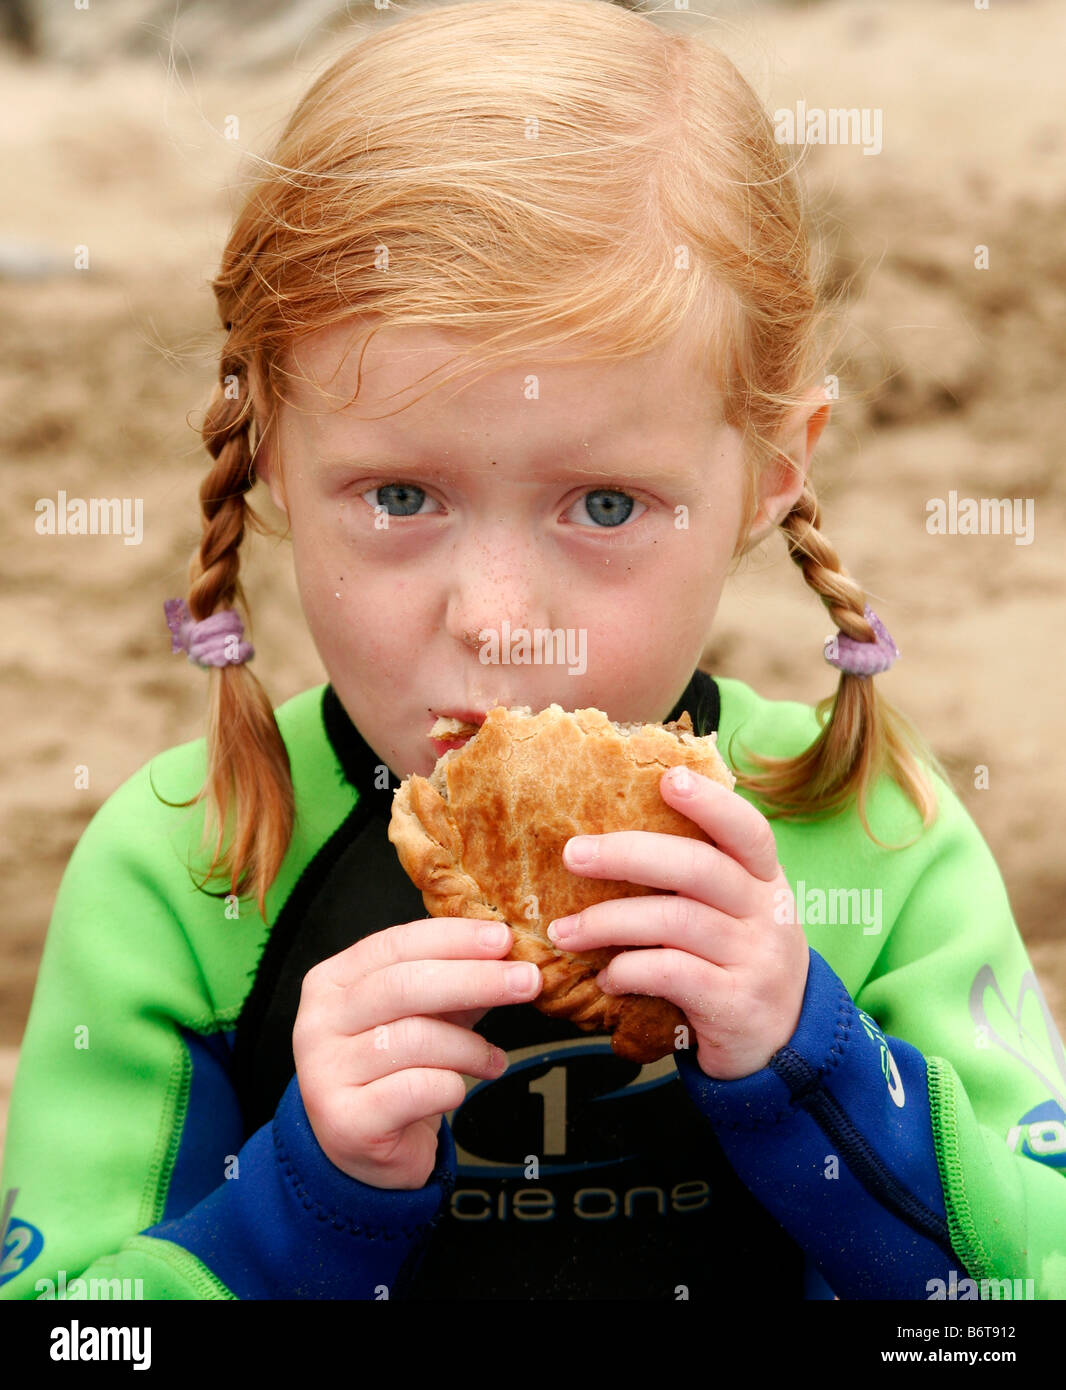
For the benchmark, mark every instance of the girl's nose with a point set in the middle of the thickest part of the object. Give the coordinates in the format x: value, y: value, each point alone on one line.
x: 491, y: 585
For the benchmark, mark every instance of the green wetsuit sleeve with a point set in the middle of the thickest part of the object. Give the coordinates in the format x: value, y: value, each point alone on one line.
x: 954, y: 980
x: 95, y: 1111
x: 105, y: 1138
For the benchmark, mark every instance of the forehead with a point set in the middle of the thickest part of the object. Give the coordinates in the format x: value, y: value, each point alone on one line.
x: 391, y: 384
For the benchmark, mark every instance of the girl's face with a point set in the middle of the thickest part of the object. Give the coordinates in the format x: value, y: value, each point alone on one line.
x: 438, y: 550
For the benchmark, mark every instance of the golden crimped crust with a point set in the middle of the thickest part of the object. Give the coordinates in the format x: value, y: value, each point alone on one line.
x: 483, y: 837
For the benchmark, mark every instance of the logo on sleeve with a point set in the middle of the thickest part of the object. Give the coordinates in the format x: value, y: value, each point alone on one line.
x: 889, y: 1070
x: 1041, y: 1134
x: 20, y: 1243
x: 1026, y: 1032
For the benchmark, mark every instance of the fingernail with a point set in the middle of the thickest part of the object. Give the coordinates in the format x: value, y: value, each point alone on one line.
x: 682, y: 781
x: 522, y: 977
x: 493, y: 934
x: 581, y: 850
x: 562, y: 927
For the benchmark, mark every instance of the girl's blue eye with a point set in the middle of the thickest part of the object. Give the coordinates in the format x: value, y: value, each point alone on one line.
x: 404, y: 497
x: 608, y: 506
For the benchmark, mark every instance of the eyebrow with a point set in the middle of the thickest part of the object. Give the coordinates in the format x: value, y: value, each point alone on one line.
x: 632, y: 473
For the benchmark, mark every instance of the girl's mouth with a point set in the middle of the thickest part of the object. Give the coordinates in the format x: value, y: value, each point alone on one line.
x: 450, y: 731
x: 445, y: 745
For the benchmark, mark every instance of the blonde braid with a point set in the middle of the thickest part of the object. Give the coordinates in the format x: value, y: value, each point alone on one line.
x: 821, y: 567
x: 248, y: 765
x: 214, y: 570
x: 861, y: 733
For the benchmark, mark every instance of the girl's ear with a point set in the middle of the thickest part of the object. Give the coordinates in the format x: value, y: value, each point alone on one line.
x: 781, y: 481
x: 266, y: 467
x: 264, y: 456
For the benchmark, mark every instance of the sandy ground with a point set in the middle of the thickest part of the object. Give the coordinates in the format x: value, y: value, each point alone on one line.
x: 959, y: 371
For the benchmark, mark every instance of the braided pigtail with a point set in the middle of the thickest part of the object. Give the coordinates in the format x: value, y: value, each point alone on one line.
x: 863, y: 735
x: 249, y: 782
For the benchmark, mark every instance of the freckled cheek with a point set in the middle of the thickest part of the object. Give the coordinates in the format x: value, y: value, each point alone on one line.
x: 362, y: 615
x: 666, y: 612
x: 625, y: 649
x: 652, y: 585
x: 693, y: 563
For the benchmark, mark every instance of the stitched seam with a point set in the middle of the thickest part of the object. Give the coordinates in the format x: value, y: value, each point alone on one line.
x: 965, y: 1236
x: 338, y: 1221
x: 834, y: 1057
x: 863, y: 1161
x: 176, y: 1259
x: 168, y: 1139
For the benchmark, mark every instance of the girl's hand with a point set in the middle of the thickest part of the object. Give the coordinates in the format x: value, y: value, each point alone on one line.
x: 384, y: 1036
x: 727, y: 949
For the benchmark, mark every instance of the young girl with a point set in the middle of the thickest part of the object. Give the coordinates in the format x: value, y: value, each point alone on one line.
x: 262, y: 1072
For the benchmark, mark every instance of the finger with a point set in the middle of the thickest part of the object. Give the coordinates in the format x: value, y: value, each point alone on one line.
x: 434, y: 987
x: 428, y: 938
x: 667, y: 974
x: 421, y: 1041
x: 674, y: 862
x: 683, y: 923
x: 387, y: 1106
x: 465, y: 1018
x: 732, y: 823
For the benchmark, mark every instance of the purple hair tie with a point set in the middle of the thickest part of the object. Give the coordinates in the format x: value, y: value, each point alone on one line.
x: 858, y: 658
x: 216, y: 641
